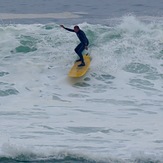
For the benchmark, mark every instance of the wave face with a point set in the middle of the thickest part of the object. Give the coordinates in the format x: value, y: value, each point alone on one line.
x: 20, y: 154
x: 112, y: 114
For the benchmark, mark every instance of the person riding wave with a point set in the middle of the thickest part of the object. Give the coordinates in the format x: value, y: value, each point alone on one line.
x: 84, y: 42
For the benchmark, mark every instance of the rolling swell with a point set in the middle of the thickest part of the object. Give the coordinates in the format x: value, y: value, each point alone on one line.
x: 70, y: 158
x: 131, y: 45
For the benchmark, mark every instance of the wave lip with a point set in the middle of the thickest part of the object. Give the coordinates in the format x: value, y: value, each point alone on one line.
x: 62, y: 15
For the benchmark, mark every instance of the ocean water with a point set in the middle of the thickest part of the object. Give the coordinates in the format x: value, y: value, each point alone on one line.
x: 111, y: 115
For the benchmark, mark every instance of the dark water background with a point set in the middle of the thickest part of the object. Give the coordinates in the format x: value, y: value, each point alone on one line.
x: 91, y: 10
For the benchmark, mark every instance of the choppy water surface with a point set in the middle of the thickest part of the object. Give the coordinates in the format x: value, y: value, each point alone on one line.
x: 112, y: 114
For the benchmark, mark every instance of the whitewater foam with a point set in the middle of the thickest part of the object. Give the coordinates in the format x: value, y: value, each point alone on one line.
x: 115, y: 110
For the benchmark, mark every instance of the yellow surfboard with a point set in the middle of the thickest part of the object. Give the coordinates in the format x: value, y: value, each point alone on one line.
x: 76, y: 71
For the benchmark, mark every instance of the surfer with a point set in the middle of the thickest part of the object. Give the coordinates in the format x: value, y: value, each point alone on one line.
x: 82, y: 45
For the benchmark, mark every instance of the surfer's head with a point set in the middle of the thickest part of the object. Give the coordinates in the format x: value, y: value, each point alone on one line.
x: 76, y: 28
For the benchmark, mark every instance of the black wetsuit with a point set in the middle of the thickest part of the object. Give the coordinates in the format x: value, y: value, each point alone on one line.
x: 83, y: 43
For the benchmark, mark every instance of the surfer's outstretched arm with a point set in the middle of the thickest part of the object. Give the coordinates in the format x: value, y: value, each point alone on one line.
x: 68, y: 29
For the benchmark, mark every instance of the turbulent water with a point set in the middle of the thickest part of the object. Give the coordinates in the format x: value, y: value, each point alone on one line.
x: 111, y: 115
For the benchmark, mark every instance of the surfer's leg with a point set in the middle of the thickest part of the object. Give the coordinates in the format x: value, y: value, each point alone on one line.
x: 79, y: 49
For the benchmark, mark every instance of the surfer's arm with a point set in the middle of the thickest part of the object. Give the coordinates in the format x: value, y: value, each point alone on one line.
x: 68, y: 29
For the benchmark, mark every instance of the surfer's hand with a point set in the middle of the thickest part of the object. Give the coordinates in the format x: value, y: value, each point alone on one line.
x: 86, y: 47
x: 62, y: 26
